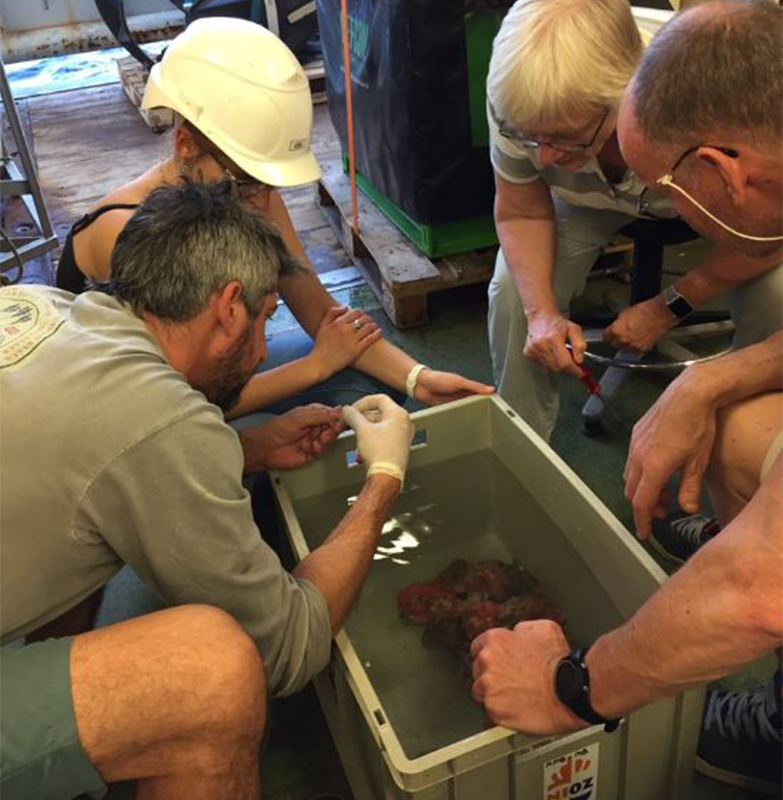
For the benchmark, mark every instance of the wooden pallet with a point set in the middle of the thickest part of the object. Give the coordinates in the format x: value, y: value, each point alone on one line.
x: 399, y: 274
x: 133, y: 78
x: 401, y: 277
x: 316, y: 74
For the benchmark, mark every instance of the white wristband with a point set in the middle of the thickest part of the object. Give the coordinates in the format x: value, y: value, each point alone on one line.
x: 413, y: 377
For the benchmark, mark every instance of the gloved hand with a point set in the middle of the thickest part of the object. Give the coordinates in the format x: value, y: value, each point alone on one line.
x: 384, y: 433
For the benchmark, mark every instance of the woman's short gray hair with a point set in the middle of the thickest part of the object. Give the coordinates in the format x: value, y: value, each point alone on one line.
x: 554, y: 61
x: 186, y: 243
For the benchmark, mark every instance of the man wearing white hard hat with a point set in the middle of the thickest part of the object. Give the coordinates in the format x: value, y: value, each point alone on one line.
x: 244, y: 114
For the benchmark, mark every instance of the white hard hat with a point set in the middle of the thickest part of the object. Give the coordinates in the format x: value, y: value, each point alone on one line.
x: 246, y: 92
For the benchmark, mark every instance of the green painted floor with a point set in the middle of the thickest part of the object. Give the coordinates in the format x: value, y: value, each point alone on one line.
x: 299, y: 760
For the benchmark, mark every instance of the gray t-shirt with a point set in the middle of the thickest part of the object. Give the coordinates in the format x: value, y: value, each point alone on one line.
x: 110, y: 457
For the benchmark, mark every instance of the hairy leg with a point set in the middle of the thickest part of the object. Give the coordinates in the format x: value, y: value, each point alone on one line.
x: 175, y: 700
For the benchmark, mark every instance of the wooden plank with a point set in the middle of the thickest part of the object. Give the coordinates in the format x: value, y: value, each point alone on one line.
x: 401, y: 262
x: 398, y: 273
x: 133, y: 79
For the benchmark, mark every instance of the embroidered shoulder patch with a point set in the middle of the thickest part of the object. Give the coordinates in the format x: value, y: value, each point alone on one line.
x: 27, y: 320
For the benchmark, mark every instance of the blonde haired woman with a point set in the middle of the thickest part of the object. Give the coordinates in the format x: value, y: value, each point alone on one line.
x: 558, y: 71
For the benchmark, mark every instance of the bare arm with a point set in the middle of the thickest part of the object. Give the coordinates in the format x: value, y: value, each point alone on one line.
x: 342, y: 336
x: 640, y: 326
x: 723, y: 269
x: 305, y: 295
x: 719, y: 612
x: 678, y: 432
x: 525, y: 222
x: 273, y: 385
x: 340, y: 565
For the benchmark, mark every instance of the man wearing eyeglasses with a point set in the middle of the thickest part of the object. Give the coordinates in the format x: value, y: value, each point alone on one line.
x: 702, y: 121
x: 558, y: 71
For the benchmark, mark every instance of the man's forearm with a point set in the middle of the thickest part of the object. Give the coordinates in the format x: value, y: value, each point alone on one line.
x: 720, y: 271
x: 738, y: 375
x: 340, y: 565
x: 719, y: 612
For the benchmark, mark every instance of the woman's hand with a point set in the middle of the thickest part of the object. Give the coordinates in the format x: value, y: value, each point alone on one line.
x: 434, y: 387
x: 342, y: 336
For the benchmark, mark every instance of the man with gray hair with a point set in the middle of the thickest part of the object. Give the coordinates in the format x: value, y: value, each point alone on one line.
x: 702, y: 123
x: 563, y: 189
x: 115, y: 451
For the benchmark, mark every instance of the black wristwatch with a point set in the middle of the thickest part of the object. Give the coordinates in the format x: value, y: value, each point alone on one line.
x: 676, y: 303
x: 572, y: 686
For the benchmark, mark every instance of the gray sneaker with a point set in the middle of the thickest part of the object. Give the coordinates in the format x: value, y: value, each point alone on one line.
x: 678, y: 536
x: 740, y: 741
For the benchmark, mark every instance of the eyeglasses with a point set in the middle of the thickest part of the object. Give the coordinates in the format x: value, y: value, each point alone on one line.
x: 652, y: 195
x: 667, y: 180
x: 507, y: 132
x: 243, y: 186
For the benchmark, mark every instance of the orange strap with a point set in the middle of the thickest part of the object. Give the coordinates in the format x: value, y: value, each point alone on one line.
x: 349, y: 114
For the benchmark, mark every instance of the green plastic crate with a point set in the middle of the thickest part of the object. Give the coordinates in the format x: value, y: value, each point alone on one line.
x: 441, y: 239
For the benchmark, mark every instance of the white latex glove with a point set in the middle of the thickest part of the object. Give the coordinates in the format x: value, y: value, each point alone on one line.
x: 384, y: 432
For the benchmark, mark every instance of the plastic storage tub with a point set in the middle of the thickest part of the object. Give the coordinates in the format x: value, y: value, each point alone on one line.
x: 481, y: 485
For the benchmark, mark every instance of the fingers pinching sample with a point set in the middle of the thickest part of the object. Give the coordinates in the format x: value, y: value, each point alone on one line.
x: 384, y: 433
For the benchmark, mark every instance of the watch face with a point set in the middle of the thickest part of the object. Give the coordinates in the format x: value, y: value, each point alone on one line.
x: 568, y: 681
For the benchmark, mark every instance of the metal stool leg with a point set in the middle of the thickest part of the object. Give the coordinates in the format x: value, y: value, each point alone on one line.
x: 645, y: 283
x: 610, y: 383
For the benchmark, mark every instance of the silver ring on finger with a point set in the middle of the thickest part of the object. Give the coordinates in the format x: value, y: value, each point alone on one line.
x: 358, y: 324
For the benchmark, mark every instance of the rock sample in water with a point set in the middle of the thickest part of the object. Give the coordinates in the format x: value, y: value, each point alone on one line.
x: 466, y: 599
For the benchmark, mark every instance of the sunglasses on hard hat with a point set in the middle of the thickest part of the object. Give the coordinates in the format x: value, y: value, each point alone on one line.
x: 242, y: 185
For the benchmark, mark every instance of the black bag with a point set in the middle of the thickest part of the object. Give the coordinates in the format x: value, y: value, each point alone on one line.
x: 418, y: 71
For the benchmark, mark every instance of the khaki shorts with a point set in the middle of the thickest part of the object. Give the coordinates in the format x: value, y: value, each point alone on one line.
x: 41, y: 756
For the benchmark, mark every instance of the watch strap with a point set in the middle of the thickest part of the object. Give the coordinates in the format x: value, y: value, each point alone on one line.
x: 580, y: 705
x: 676, y: 303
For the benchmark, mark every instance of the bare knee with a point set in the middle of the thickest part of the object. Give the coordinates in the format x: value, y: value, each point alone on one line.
x: 746, y: 431
x: 234, y: 691
x: 182, y: 688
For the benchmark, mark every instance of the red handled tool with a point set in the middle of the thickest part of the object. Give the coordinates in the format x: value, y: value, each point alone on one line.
x: 593, y: 387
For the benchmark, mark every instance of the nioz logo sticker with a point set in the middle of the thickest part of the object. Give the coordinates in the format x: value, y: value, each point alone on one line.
x: 573, y: 776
